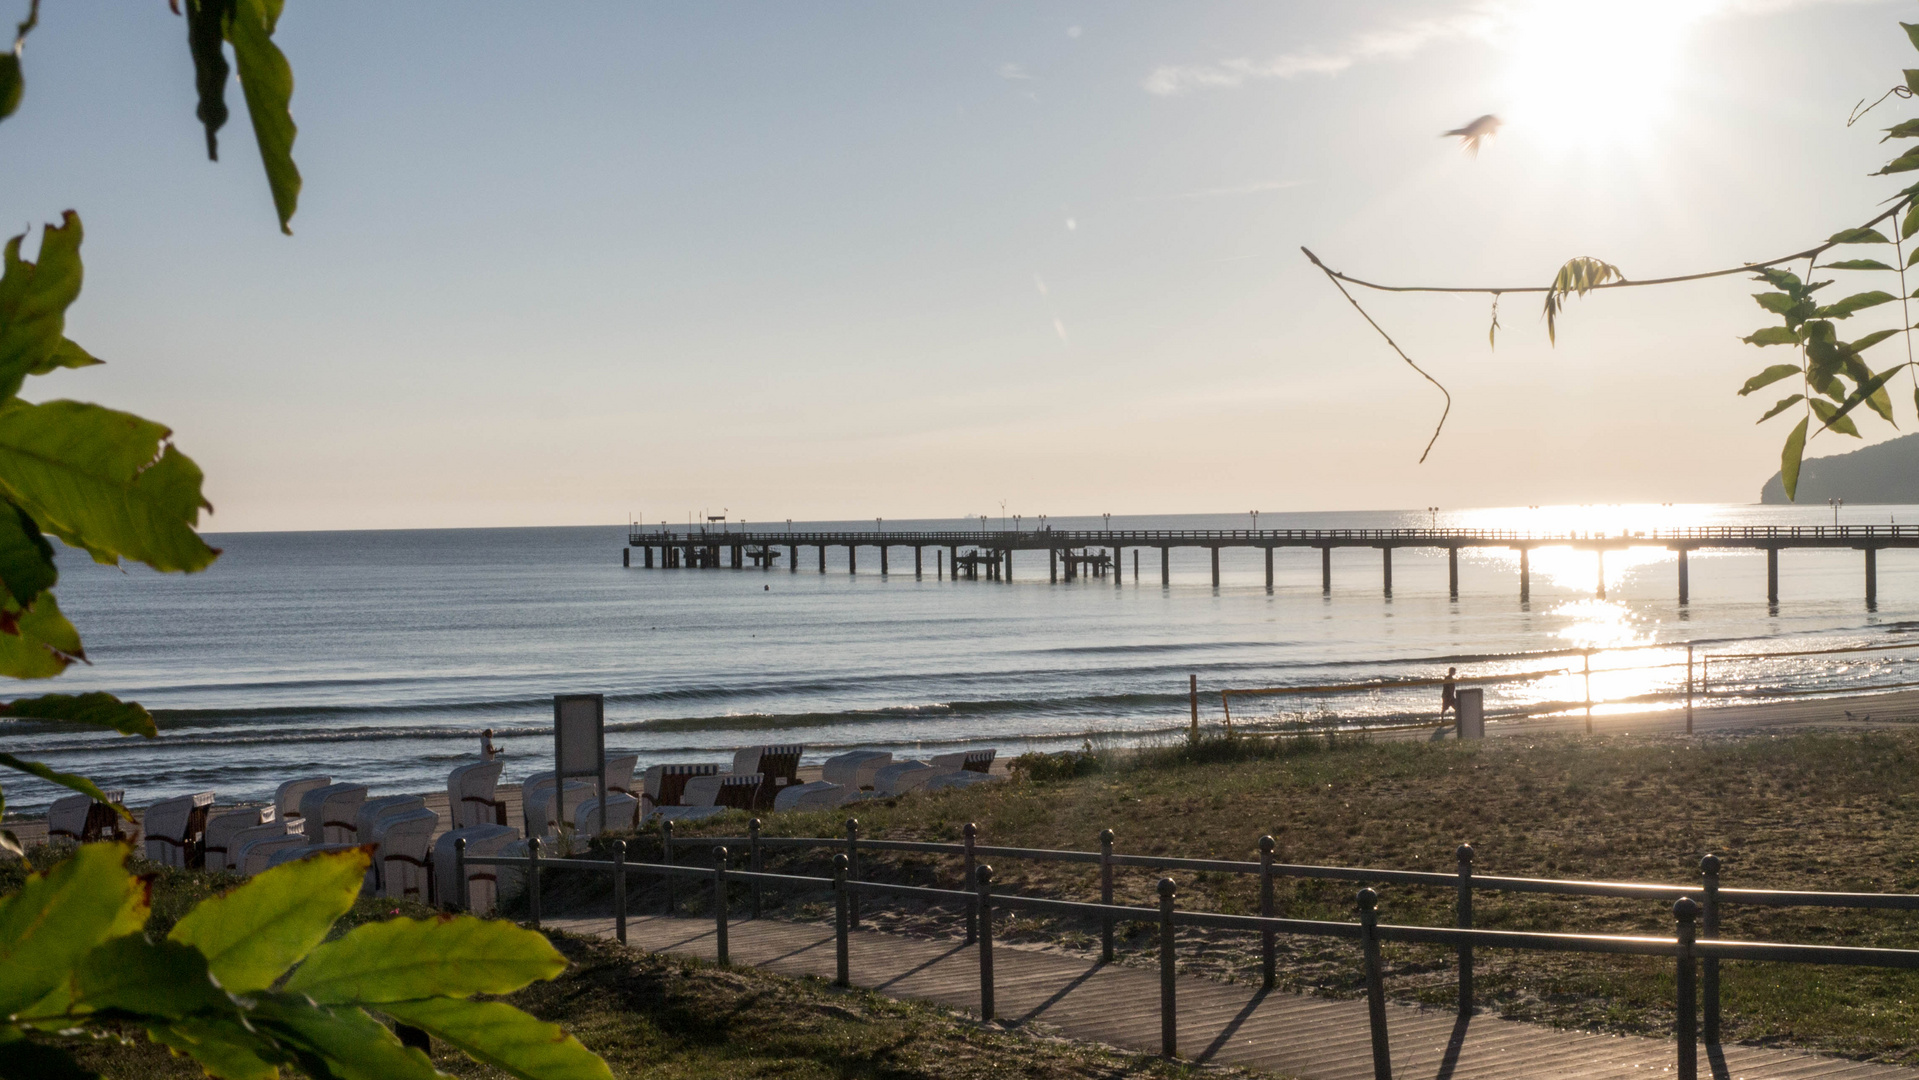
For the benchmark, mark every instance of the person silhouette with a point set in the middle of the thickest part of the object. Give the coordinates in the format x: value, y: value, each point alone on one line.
x: 1449, y: 695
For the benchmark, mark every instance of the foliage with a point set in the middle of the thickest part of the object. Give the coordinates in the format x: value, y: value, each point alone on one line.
x: 1063, y: 765
x: 246, y: 983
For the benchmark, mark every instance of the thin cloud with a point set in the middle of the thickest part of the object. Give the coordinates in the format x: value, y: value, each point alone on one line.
x: 1237, y: 189
x: 1010, y: 70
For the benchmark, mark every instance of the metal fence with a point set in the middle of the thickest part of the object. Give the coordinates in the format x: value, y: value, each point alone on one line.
x: 1697, y: 958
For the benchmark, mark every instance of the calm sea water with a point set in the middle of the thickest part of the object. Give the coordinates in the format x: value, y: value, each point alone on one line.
x: 379, y: 656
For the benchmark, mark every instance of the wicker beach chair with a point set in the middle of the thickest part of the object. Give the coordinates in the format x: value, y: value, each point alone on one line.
x: 173, y: 828
x: 470, y: 795
x: 217, y: 844
x: 617, y: 814
x: 975, y: 761
x: 854, y: 770
x: 327, y: 813
x: 481, y: 881
x: 619, y: 774
x: 286, y: 800
x: 404, y: 840
x: 257, y: 855
x: 735, y: 791
x: 818, y: 795
x: 901, y: 777
x: 664, y: 785
x: 81, y: 820
x: 779, y: 764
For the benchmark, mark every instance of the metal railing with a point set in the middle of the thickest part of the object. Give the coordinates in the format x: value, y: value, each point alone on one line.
x: 1201, y: 537
x: 1698, y: 959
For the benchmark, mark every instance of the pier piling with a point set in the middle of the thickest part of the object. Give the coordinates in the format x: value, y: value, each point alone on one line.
x: 1052, y: 565
x: 882, y: 560
x: 1452, y: 572
x: 1326, y: 570
x: 1685, y: 582
x: 917, y: 572
x: 1165, y: 566
x: 1386, y: 561
x: 1525, y: 575
x: 1602, y: 572
x: 1269, y: 569
x: 1215, y: 551
x: 1772, y: 577
x: 1872, y: 578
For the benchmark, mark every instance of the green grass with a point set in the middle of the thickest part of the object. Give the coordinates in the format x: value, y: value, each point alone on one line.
x: 1808, y: 810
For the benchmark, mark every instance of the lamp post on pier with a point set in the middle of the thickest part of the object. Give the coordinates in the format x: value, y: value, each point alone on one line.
x: 1835, y: 503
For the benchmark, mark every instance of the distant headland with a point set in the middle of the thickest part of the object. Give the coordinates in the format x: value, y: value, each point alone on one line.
x: 1885, y: 473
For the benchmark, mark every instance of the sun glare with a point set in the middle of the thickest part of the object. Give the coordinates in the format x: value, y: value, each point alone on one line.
x: 1595, y: 75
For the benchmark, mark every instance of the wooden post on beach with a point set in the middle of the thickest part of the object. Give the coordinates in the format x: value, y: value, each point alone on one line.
x: 1116, y: 574
x: 1326, y: 570
x: 1685, y: 582
x: 1463, y: 918
x: 1168, y: 975
x: 939, y: 565
x: 1193, y: 684
x: 1772, y: 577
x: 1165, y: 566
x: 1685, y: 980
x: 1375, y: 983
x: 822, y: 558
x: 918, y: 570
x: 1526, y: 575
x: 1135, y: 566
x: 1215, y: 567
x: 1052, y: 565
x: 983, y: 914
x: 1602, y: 572
x: 883, y: 560
x: 626, y: 556
x: 1587, y: 657
x: 1386, y: 560
x: 1268, y: 939
x: 1689, y: 688
x: 1008, y: 558
x: 1872, y: 578
x: 1106, y: 895
x: 852, y: 557
x: 792, y: 558
x: 1269, y: 568
x: 1452, y: 571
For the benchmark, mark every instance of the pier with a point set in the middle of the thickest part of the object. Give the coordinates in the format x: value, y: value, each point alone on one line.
x: 1099, y: 553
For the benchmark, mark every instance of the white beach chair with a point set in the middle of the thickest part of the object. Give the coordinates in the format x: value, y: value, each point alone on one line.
x: 818, y: 795
x: 404, y: 840
x: 327, y: 813
x: 533, y: 791
x: 217, y: 845
x: 79, y: 819
x: 551, y: 809
x: 286, y: 799
x: 665, y: 785
x: 366, y: 819
x: 855, y: 769
x: 618, y: 814
x: 779, y: 764
x: 173, y: 828
x: 619, y: 774
x: 974, y: 761
x: 961, y: 778
x: 470, y: 795
x: 481, y: 840
x: 257, y: 855
x: 902, y: 777
x: 735, y: 791
x: 238, y: 843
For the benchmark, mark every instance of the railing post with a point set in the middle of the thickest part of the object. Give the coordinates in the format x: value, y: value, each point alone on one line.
x: 983, y: 911
x: 719, y: 904
x: 1685, y: 910
x: 1375, y: 983
x: 1464, y: 911
x: 461, y: 900
x: 1689, y: 689
x: 666, y: 846
x: 1106, y: 895
x: 841, y: 977
x: 1268, y: 940
x: 619, y: 890
x: 533, y: 881
x: 853, y: 867
x: 1709, y: 967
x: 1168, y: 977
x: 971, y: 834
x: 754, y: 860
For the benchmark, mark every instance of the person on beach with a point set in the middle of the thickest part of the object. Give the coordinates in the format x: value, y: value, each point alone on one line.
x: 1449, y: 695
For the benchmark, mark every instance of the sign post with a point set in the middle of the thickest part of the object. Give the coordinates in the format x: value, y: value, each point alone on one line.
x: 1472, y: 713
x: 579, y: 745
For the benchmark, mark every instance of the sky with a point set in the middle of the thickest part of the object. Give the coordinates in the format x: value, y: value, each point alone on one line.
x: 840, y: 260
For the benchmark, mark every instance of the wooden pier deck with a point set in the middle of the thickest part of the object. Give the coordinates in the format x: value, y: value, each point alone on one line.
x: 1291, y: 1034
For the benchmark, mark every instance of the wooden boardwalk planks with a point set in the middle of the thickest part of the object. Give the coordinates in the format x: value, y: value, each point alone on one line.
x: 1314, y: 1038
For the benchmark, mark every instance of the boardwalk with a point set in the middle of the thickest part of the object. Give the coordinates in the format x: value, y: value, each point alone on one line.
x: 1313, y: 1038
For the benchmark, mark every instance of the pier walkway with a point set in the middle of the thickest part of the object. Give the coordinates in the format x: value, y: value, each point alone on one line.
x: 1292, y: 1034
x: 1072, y: 551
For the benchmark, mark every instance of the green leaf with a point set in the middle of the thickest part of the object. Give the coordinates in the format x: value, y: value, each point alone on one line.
x: 206, y: 28
x: 1782, y: 406
x: 1855, y: 264
x: 1789, y: 459
x: 1905, y: 129
x: 66, y: 355
x: 164, y: 980
x: 1912, y: 33
x: 254, y: 933
x: 66, y: 780
x: 267, y: 80
x: 105, y: 481
x: 340, y: 1042
x: 96, y: 708
x: 403, y: 959
x: 224, y: 1048
x: 502, y: 1036
x: 1910, y: 224
x: 1769, y: 376
x: 42, y: 644
x: 1912, y: 82
x: 1905, y: 162
x: 1579, y: 275
x: 59, y: 916
x: 1841, y: 309
x: 1777, y: 278
x: 1870, y: 340
x: 26, y: 1060
x: 1829, y: 417
x: 34, y: 297
x: 1772, y: 335
x: 13, y: 84
x: 26, y: 560
x: 1776, y: 302
x: 1858, y: 236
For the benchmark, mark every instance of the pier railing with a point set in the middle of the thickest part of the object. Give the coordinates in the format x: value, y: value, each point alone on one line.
x: 1189, y: 537
x: 1693, y: 954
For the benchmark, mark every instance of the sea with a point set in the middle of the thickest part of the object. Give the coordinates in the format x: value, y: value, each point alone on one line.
x: 380, y: 656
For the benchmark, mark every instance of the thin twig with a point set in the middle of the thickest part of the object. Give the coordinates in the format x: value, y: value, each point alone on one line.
x: 20, y: 32
x: 1809, y: 253
x: 1859, y: 114
x: 1334, y: 278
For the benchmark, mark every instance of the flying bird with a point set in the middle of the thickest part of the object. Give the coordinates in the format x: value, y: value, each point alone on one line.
x: 1469, y: 136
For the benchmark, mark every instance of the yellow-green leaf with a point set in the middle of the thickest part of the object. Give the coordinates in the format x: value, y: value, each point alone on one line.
x: 66, y: 780
x: 1840, y: 309
x: 402, y: 959
x: 105, y: 481
x: 1776, y: 302
x: 26, y: 560
x: 1905, y: 162
x: 1858, y: 236
x: 1789, y: 459
x: 34, y: 297
x: 1782, y: 405
x: 502, y: 1036
x: 267, y: 80
x: 59, y: 916
x: 223, y: 1048
x: 96, y: 708
x: 1772, y: 335
x: 1829, y: 417
x: 253, y: 934
x: 43, y: 642
x: 1769, y: 376
x: 1855, y: 264
x: 345, y: 1042
x: 164, y: 979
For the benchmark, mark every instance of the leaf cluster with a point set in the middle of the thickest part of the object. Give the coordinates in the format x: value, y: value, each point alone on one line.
x: 247, y: 984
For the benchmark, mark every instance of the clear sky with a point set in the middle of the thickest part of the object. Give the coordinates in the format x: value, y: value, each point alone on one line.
x: 555, y: 264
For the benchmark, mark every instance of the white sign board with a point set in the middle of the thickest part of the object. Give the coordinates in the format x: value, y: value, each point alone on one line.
x: 579, y: 740
x: 1472, y: 713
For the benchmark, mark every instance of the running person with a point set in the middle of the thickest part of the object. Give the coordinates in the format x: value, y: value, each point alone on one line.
x: 1449, y: 695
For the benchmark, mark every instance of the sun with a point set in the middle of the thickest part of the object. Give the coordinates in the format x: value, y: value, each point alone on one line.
x: 1599, y: 76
